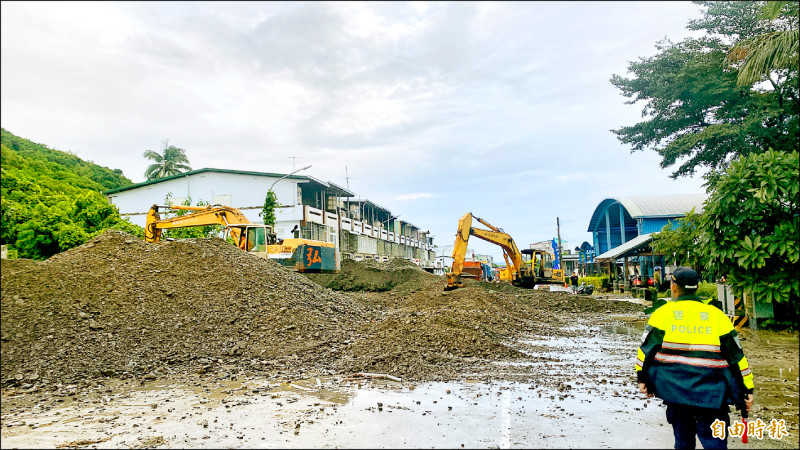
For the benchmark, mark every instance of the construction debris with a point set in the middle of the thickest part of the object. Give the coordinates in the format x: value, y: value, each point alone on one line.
x: 118, y: 307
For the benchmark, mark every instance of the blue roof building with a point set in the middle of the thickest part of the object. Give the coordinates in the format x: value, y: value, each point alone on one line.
x: 617, y: 221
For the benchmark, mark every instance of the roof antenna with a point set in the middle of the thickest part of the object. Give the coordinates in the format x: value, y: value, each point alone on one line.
x: 293, y: 158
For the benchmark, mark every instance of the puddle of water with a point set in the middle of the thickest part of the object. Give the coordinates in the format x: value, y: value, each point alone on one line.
x: 582, y: 395
x: 500, y: 415
x: 628, y: 331
x: 302, y: 414
x: 224, y: 414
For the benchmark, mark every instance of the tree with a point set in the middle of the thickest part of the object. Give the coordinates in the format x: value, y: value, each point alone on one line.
x: 50, y: 199
x: 760, y: 55
x: 696, y: 114
x: 172, y: 161
x: 678, y: 241
x: 751, y: 224
x: 268, y: 211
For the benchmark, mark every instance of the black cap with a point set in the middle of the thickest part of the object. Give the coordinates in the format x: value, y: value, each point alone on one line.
x: 685, y: 277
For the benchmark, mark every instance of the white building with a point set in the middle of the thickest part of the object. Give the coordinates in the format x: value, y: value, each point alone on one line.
x: 321, y: 210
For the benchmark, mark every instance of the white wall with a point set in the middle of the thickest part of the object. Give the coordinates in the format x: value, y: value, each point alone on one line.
x: 244, y: 191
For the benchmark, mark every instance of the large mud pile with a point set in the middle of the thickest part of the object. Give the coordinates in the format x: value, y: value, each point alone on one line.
x: 117, y: 307
x: 421, y: 329
x: 370, y: 276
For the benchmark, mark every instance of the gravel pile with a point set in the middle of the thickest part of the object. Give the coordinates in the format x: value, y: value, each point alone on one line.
x: 118, y: 307
x: 372, y: 276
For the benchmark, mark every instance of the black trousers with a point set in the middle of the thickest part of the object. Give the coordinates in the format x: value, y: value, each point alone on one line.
x: 688, y: 421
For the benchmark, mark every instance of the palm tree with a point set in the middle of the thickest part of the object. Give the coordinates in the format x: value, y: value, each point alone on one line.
x: 172, y: 162
x: 766, y: 52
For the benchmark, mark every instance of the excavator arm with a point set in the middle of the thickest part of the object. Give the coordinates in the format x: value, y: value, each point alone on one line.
x: 460, y: 248
x: 494, y: 235
x: 204, y: 215
x: 302, y: 255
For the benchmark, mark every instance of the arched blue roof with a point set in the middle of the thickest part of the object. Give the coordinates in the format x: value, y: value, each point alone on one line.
x: 616, y: 221
x: 651, y: 206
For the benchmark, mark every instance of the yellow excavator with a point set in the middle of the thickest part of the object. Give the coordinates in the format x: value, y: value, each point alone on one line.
x: 528, y: 267
x: 302, y: 255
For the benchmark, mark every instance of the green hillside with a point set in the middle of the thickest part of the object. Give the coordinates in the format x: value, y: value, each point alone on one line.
x: 51, y: 199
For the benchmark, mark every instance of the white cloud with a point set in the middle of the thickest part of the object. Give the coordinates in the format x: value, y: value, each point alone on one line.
x: 432, y: 108
x: 412, y: 196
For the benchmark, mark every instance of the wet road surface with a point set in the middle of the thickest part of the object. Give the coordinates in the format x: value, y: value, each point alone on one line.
x: 583, y: 395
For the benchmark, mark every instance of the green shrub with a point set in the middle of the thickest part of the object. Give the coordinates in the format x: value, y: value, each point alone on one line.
x: 598, y: 282
x: 707, y: 290
x: 704, y: 290
x: 772, y: 324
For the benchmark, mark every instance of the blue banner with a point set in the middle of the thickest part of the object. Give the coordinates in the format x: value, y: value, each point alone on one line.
x: 555, y: 252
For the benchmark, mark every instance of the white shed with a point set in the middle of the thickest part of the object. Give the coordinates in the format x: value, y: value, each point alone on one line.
x: 321, y: 210
x: 240, y: 189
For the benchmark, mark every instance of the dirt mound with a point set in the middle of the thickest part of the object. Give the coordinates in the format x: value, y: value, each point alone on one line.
x: 372, y: 276
x: 117, y: 307
x: 424, y: 332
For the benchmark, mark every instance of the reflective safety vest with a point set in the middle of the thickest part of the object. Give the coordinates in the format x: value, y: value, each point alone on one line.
x: 691, y: 355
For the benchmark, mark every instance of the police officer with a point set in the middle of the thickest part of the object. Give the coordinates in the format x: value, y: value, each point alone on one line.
x: 692, y: 359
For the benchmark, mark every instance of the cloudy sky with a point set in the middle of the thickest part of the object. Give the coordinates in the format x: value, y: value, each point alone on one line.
x: 432, y: 109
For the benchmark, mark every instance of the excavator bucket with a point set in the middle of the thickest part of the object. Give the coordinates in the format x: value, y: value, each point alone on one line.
x: 453, y: 282
x: 453, y: 287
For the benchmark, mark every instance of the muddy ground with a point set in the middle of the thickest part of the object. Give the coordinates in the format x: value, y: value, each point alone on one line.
x: 121, y: 344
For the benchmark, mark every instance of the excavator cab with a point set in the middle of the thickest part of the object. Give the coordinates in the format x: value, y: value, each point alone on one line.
x: 257, y: 239
x: 254, y: 238
x: 538, y: 267
x: 544, y: 264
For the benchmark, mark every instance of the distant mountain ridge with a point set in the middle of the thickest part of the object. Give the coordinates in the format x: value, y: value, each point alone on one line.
x: 61, y: 164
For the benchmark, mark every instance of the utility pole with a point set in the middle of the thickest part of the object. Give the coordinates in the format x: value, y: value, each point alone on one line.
x: 560, y: 259
x: 293, y: 158
x: 347, y: 180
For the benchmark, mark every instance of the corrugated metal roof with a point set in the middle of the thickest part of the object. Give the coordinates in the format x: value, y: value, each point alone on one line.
x: 340, y: 191
x: 337, y: 190
x: 371, y: 203
x: 198, y: 171
x: 672, y: 205
x: 663, y: 205
x: 628, y: 247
